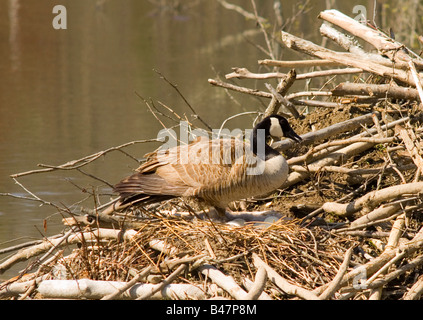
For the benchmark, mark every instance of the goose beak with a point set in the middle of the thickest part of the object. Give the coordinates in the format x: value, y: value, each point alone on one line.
x: 292, y: 135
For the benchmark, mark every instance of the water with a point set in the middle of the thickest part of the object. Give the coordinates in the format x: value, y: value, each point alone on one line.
x: 66, y: 94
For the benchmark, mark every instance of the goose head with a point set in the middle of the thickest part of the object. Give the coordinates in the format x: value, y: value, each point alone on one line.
x: 279, y: 128
x: 274, y: 126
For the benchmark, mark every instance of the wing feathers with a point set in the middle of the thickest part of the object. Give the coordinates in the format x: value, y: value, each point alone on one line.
x: 204, y: 168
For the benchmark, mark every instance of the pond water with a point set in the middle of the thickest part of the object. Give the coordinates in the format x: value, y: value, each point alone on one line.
x: 66, y: 94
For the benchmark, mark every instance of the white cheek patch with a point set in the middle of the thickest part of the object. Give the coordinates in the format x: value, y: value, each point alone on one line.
x: 275, y: 128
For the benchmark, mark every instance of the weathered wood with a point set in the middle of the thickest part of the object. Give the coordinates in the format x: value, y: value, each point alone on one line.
x: 412, y: 145
x: 346, y: 59
x: 384, y: 44
x: 279, y: 101
x: 322, y: 134
x: 375, y: 90
x: 227, y: 283
x: 233, y: 87
x: 91, y: 289
x: 366, y: 270
x: 244, y: 73
x: 336, y: 282
x: 258, y: 286
x: 59, y: 242
x: 373, y: 198
x: 298, y: 63
x: 287, y: 287
x: 352, y: 46
x: 278, y: 96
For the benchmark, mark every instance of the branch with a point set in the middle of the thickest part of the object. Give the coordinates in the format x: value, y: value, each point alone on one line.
x: 92, y: 289
x: 227, y: 283
x: 298, y: 63
x: 375, y: 90
x: 59, y: 242
x: 233, y: 87
x: 325, y: 133
x: 412, y: 145
x: 70, y: 165
x: 372, y: 199
x: 284, y: 285
x: 281, y: 101
x: 258, y: 286
x: 347, y: 59
x: 385, y: 45
x: 336, y: 282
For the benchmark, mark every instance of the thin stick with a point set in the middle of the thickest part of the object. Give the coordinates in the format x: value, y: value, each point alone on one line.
x: 240, y: 89
x: 416, y: 80
x: 263, y: 29
x: 288, y: 288
x: 258, y: 285
x: 289, y: 105
x: 183, y: 98
x: 227, y: 283
x: 241, y: 11
x: 415, y: 291
x: 335, y: 284
x: 73, y: 164
x: 298, y: 63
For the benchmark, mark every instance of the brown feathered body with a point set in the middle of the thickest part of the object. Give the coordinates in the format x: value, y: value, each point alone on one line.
x: 216, y: 171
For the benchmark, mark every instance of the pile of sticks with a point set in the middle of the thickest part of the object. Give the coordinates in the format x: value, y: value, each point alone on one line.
x: 363, y: 243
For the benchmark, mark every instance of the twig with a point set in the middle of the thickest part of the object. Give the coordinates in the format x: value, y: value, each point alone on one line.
x: 415, y: 291
x: 335, y: 284
x: 410, y: 141
x: 130, y: 284
x: 164, y: 283
x: 258, y: 286
x: 297, y: 63
x: 284, y: 285
x: 183, y: 98
x: 232, y: 117
x: 281, y: 89
x: 227, y: 283
x: 374, y: 265
x: 240, y: 89
x: 263, y: 29
x: 283, y: 101
x: 70, y: 165
x: 417, y: 81
x: 56, y: 243
x: 243, y: 73
x: 241, y: 11
x: 373, y: 198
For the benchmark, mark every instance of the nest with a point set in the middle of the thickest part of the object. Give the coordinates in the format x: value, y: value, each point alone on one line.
x: 309, y: 258
x: 306, y: 257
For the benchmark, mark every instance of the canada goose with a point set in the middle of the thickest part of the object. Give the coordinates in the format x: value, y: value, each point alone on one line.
x: 212, y: 170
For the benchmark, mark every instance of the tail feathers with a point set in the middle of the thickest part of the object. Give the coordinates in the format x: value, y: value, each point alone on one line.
x: 144, y: 188
x: 143, y: 199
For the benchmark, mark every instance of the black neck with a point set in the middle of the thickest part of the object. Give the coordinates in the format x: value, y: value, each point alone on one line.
x: 258, y: 140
